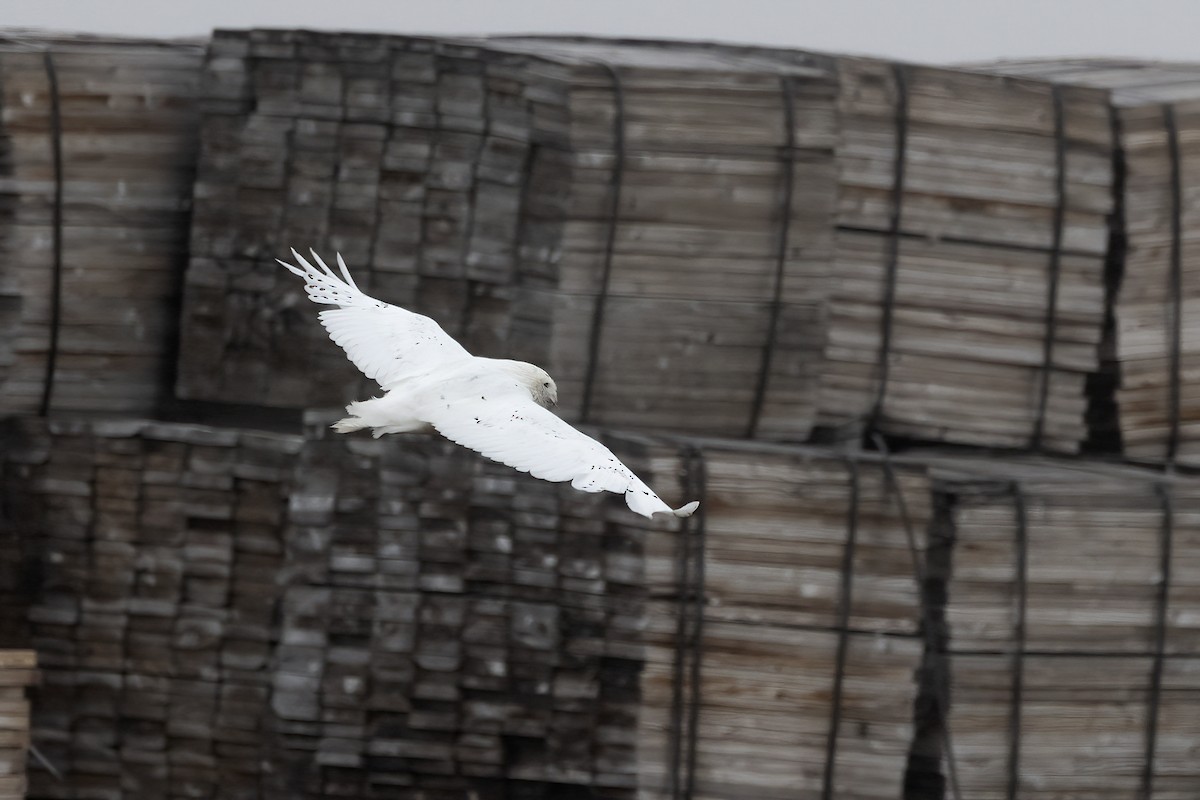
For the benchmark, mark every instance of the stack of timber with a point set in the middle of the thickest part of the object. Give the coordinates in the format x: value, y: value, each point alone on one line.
x: 1154, y: 350
x: 267, y: 615
x: 1070, y: 601
x: 968, y: 303
x: 782, y: 627
x: 694, y: 205
x: 18, y: 670
x: 405, y: 155
x: 650, y: 223
x: 97, y: 154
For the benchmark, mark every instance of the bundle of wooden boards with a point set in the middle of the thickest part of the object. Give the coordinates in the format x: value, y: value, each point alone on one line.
x: 692, y: 198
x: 264, y: 615
x: 623, y: 225
x: 97, y: 145
x: 17, y: 671
x: 711, y: 239
x: 1153, y: 352
x: 1073, y: 644
x: 968, y: 294
x: 375, y: 618
x: 794, y: 689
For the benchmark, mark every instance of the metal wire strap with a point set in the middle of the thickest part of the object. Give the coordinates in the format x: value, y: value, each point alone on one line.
x: 56, y: 228
x: 614, y: 209
x: 787, y: 157
x: 843, y: 629
x: 1055, y: 270
x: 929, y: 634
x: 1174, y: 285
x: 1154, y: 698
x: 689, y: 632
x: 883, y: 363
x: 1018, y: 678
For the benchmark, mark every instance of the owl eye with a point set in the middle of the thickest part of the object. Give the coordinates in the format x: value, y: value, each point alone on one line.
x: 547, y: 385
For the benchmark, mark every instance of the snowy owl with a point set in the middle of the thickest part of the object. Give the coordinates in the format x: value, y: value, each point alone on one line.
x: 496, y: 407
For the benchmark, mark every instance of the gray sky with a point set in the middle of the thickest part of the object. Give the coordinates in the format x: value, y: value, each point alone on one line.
x: 918, y: 30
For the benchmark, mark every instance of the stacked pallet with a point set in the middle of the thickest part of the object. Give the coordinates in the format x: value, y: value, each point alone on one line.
x: 98, y: 140
x: 17, y: 671
x: 1155, y: 353
x: 786, y: 674
x: 645, y: 229
x: 972, y: 230
x: 1054, y: 599
x: 362, y: 618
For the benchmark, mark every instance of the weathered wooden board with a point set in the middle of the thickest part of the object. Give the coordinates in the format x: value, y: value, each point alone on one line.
x: 127, y: 132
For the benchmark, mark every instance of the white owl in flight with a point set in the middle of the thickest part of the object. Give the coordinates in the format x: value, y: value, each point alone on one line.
x: 496, y: 407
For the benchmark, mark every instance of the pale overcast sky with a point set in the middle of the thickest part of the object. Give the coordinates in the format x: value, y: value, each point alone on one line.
x: 918, y: 30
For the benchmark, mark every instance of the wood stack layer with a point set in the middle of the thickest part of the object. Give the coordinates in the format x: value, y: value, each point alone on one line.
x: 481, y: 183
x: 127, y: 136
x: 973, y: 233
x: 1090, y: 581
x: 777, y: 557
x: 405, y: 155
x: 1150, y: 98
x: 18, y: 670
x: 710, y: 170
x: 362, y: 618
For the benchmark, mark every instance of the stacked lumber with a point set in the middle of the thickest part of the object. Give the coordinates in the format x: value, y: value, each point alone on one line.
x: 18, y: 669
x: 482, y: 183
x: 1082, y: 726
x: 361, y: 616
x: 1156, y: 347
x: 126, y: 130
x: 1155, y: 405
x: 775, y: 691
x: 158, y: 550
x: 1053, y: 600
x: 405, y: 155
x: 945, y: 294
x: 695, y: 222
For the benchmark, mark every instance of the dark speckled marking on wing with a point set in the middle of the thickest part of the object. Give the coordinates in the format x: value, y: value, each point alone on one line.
x: 387, y: 343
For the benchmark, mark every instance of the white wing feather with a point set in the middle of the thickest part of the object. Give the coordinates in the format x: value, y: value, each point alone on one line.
x: 501, y: 421
x: 388, y: 343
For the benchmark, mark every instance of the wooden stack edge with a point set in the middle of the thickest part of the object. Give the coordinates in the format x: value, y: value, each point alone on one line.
x: 782, y: 672
x: 362, y: 616
x: 1067, y: 666
x: 1135, y: 413
x: 949, y: 175
x: 126, y: 131
x: 18, y: 671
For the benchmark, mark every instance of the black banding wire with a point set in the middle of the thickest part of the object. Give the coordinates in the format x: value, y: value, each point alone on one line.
x: 1018, y: 677
x: 695, y: 527
x: 683, y: 564
x: 787, y: 157
x: 883, y: 367
x: 56, y: 233
x: 1174, y: 285
x: 926, y: 611
x: 689, y: 633
x: 614, y: 208
x: 1154, y: 698
x: 1055, y: 270
x: 843, y: 629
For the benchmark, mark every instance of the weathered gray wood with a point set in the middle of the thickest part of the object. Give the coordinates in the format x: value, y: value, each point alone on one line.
x: 128, y: 116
